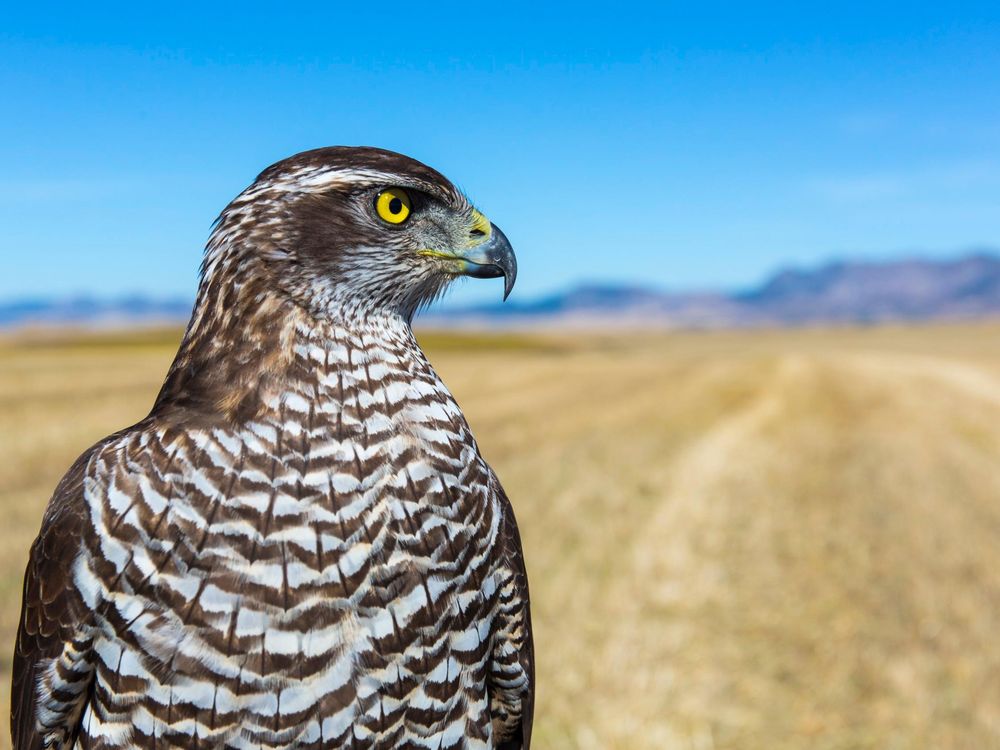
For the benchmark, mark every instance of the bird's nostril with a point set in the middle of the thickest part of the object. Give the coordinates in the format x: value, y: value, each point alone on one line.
x: 477, y: 233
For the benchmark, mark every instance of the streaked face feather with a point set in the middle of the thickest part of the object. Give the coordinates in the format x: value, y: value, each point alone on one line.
x: 309, y: 225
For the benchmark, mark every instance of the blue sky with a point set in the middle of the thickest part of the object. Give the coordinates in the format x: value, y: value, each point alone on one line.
x: 655, y: 144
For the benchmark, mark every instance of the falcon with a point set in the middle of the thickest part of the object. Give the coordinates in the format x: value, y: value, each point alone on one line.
x: 301, y: 546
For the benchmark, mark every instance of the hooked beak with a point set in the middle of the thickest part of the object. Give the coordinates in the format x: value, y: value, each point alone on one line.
x: 490, y: 259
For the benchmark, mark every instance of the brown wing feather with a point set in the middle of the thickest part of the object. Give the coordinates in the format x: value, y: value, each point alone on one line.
x: 51, y: 609
x: 517, y: 625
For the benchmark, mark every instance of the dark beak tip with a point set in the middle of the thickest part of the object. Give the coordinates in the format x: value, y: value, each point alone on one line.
x: 506, y: 260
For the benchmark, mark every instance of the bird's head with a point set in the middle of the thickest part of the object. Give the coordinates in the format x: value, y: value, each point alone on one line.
x: 353, y: 231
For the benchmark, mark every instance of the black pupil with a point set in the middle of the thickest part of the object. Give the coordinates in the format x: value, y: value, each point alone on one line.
x: 395, y: 206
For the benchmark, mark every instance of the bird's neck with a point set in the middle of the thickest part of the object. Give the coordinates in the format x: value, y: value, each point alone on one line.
x: 247, y: 344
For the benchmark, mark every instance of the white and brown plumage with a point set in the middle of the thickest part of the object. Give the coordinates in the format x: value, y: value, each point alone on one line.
x: 301, y: 545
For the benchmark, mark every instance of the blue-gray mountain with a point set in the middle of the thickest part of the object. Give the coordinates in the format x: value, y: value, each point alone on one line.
x: 134, y: 309
x: 839, y: 292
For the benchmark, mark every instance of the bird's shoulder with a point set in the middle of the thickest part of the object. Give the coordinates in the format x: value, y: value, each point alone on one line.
x: 46, y: 618
x: 52, y: 610
x: 510, y: 536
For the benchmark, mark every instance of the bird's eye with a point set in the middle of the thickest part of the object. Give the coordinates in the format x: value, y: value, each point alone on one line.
x: 393, y: 205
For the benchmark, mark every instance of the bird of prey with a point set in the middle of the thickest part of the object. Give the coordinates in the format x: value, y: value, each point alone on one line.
x: 301, y: 546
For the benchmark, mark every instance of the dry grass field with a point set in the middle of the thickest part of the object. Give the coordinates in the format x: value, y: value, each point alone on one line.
x: 735, y: 540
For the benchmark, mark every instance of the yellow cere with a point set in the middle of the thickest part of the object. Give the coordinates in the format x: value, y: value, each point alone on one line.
x: 393, y: 205
x: 481, y: 223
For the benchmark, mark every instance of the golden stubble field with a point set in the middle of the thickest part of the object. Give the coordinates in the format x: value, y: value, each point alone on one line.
x: 735, y: 540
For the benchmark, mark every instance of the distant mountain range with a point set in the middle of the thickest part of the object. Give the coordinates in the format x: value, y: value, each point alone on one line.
x: 132, y: 310
x: 836, y: 293
x: 843, y: 292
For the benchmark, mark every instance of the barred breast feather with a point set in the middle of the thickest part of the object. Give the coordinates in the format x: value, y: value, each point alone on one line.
x: 335, y: 567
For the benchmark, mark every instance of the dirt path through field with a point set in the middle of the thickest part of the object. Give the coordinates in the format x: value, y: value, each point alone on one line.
x: 804, y: 582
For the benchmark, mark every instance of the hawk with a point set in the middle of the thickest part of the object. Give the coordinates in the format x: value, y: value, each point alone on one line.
x: 301, y: 546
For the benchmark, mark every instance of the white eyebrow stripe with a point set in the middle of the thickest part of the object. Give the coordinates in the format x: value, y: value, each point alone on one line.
x: 319, y: 178
x: 327, y: 177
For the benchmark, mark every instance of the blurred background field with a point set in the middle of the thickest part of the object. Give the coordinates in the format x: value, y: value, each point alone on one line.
x: 735, y: 540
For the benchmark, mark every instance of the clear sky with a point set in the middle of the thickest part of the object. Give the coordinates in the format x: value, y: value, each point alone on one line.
x: 655, y: 144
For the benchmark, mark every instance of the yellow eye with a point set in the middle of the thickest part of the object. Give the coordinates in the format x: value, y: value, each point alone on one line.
x: 393, y: 205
